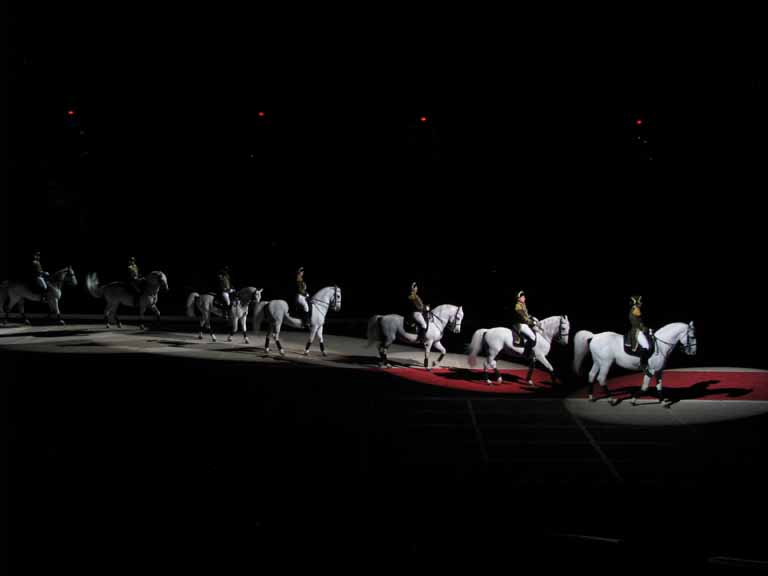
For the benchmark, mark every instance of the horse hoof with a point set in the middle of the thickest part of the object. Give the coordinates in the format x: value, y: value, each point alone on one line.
x: 213, y: 338
x: 591, y: 398
x: 324, y: 353
x: 499, y: 380
x: 200, y: 337
x: 246, y: 341
x: 229, y: 339
x: 487, y: 381
x: 634, y: 401
x: 530, y: 383
x: 306, y: 353
x: 61, y: 322
x: 27, y: 322
x: 614, y: 401
x: 282, y: 353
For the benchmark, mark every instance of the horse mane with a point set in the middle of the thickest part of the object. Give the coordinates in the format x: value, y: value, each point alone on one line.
x: 332, y: 287
x: 664, y: 330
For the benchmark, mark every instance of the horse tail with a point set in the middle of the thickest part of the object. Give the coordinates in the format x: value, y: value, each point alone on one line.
x: 374, y: 330
x: 292, y: 322
x: 92, y: 284
x: 476, y: 345
x: 580, y: 348
x: 192, y: 301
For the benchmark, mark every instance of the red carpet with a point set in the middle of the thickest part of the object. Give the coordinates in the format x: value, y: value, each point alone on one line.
x: 474, y: 381
x: 701, y: 385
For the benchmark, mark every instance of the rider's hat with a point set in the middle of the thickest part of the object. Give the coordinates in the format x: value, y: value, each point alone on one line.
x: 636, y: 300
x: 413, y: 286
x: 300, y: 270
x: 132, y: 259
x: 36, y: 253
x: 520, y: 293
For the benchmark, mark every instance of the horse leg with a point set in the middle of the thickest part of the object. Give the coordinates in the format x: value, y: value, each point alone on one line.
x: 23, y: 313
x: 9, y: 307
x: 278, y: 325
x: 591, y: 379
x: 441, y: 349
x: 244, y: 320
x: 529, y: 376
x: 233, y: 328
x: 312, y: 334
x: 266, y: 342
x: 548, y: 365
x: 492, y: 364
x: 157, y: 313
x: 322, y: 342
x: 660, y: 389
x: 142, y: 307
x: 210, y: 327
x: 643, y: 389
x: 427, y: 350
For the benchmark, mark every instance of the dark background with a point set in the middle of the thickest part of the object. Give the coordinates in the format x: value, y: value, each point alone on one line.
x: 527, y: 172
x: 530, y: 172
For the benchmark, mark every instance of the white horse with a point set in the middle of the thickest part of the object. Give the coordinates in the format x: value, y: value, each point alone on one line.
x: 276, y: 312
x: 608, y: 347
x: 116, y: 293
x: 385, y: 329
x: 489, y: 342
x: 16, y: 292
x: 204, y: 304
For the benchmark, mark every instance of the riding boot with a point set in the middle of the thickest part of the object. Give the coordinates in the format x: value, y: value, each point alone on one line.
x: 528, y: 351
x: 644, y: 362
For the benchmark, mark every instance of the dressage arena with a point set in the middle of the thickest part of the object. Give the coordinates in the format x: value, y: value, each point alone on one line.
x: 334, y: 451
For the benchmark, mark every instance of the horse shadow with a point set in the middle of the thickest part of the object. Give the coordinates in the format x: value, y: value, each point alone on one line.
x: 696, y: 391
x: 173, y: 343
x: 373, y: 362
x: 48, y: 334
x: 468, y: 375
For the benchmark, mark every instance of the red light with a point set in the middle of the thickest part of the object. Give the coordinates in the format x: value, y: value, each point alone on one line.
x: 261, y: 114
x: 70, y: 112
x: 639, y: 122
x: 423, y: 118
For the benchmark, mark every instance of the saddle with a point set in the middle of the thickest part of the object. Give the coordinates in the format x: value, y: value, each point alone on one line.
x: 638, y: 352
x: 518, y: 339
x: 411, y: 327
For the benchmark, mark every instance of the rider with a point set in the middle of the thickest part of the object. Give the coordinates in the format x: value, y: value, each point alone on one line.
x: 638, y: 332
x: 225, y: 286
x: 134, y: 278
x: 524, y: 325
x: 418, y: 311
x: 302, y: 297
x: 39, y: 275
